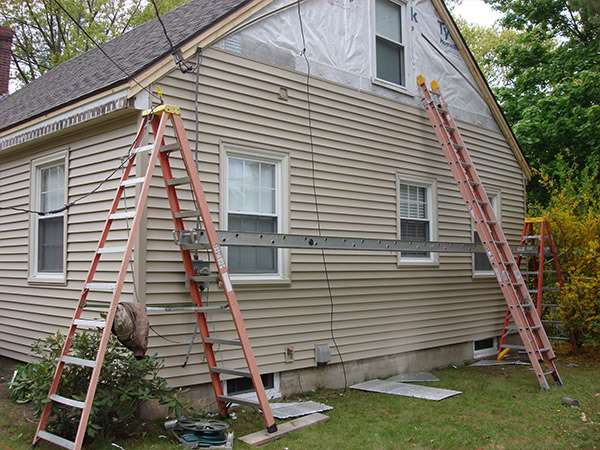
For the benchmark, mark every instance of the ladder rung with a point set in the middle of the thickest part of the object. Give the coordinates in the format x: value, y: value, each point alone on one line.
x: 500, y: 242
x: 534, y: 237
x: 442, y: 110
x: 132, y: 181
x: 239, y: 373
x: 89, y: 323
x: 170, y: 148
x: 241, y: 401
x: 552, y: 372
x: 514, y: 347
x: 123, y: 215
x: 513, y: 328
x: 67, y: 401
x: 203, y: 278
x: 550, y: 305
x: 178, y: 181
x: 557, y: 322
x: 508, y: 263
x: 144, y: 148
x: 491, y: 222
x: 56, y: 439
x: 182, y: 214
x: 112, y: 250
x: 530, y: 272
x: 535, y: 291
x: 482, y: 202
x: 558, y: 338
x: 474, y: 183
x: 203, y: 309
x: 210, y: 340
x: 465, y: 164
x: 449, y: 127
x: 100, y: 286
x: 543, y: 350
x: 457, y: 146
x: 78, y: 361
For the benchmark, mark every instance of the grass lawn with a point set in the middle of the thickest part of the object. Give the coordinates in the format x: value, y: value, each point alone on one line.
x: 500, y: 408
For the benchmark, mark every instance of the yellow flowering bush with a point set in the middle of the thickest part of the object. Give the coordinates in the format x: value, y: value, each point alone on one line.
x: 574, y: 216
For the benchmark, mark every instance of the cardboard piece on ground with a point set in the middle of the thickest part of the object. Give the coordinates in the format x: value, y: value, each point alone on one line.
x: 490, y: 362
x: 263, y: 436
x: 413, y: 377
x: 297, y: 409
x: 406, y: 390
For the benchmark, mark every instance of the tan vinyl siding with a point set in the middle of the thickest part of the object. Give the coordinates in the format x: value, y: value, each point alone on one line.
x: 361, y: 142
x: 30, y: 310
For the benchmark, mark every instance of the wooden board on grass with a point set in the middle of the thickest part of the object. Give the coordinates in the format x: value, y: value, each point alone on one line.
x: 263, y: 436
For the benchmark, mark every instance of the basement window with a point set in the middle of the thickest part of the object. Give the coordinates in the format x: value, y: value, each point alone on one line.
x: 485, y: 347
x: 243, y: 388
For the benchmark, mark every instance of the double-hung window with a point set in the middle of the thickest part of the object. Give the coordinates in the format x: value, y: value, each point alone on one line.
x: 481, y: 263
x: 390, y: 53
x: 415, y: 216
x: 47, y: 258
x: 254, y: 199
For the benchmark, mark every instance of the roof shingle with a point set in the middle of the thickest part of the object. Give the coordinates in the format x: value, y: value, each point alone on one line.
x: 92, y: 72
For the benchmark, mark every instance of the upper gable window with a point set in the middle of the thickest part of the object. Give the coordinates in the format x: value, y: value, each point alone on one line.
x: 390, y: 51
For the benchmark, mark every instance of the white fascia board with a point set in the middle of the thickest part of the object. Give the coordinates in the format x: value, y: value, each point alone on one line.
x: 75, y: 116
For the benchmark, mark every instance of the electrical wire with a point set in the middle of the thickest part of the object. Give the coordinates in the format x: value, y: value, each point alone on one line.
x: 315, y: 196
x: 65, y: 207
x: 162, y: 25
x: 178, y: 58
x: 129, y: 77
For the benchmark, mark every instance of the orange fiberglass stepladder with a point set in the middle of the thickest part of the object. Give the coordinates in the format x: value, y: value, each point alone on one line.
x: 486, y: 224
x: 536, y: 231
x: 158, y: 119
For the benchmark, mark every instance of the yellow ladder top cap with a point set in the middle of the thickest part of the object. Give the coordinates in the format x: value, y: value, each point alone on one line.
x: 435, y: 85
x: 420, y: 80
x: 169, y: 109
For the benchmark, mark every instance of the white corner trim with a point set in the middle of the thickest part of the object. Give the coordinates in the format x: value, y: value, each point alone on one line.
x: 72, y: 117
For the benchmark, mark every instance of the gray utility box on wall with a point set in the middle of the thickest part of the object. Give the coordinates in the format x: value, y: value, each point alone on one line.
x: 322, y: 354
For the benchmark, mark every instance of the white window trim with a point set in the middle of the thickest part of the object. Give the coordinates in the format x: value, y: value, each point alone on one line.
x: 37, y: 164
x: 406, y: 42
x: 431, y: 185
x: 495, y: 196
x: 282, y: 185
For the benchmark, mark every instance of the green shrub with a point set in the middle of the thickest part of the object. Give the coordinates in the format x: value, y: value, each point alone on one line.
x: 124, y: 384
x: 574, y: 214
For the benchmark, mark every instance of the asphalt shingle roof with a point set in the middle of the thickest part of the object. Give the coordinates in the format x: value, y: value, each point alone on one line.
x: 92, y: 72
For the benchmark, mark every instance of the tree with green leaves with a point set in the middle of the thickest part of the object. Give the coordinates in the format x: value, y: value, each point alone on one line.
x: 552, y: 92
x: 48, y: 32
x: 483, y: 42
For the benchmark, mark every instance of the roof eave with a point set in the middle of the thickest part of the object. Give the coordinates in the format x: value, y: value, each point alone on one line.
x: 483, y: 86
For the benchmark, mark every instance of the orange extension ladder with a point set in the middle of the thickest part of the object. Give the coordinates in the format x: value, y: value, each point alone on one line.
x: 157, y: 118
x: 486, y: 224
x: 537, y: 231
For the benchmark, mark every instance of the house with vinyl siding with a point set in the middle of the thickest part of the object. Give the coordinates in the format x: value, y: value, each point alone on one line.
x: 306, y: 118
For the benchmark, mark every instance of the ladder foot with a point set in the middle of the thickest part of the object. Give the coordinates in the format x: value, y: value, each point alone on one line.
x: 272, y: 428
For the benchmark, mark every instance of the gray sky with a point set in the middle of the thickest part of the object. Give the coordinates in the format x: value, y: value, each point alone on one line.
x: 477, y: 11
